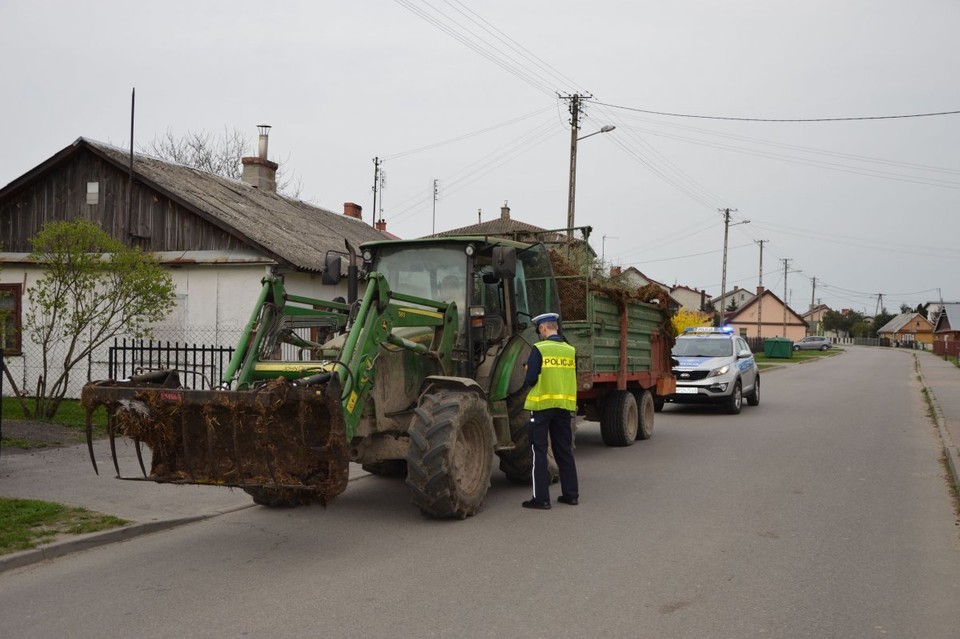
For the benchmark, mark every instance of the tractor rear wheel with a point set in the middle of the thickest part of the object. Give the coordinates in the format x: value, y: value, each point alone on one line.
x: 517, y: 463
x: 450, y: 458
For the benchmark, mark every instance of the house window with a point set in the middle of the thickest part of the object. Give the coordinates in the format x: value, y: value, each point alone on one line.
x: 93, y: 192
x: 10, y: 304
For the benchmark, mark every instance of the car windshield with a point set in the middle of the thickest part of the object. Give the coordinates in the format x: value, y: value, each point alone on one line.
x: 703, y: 347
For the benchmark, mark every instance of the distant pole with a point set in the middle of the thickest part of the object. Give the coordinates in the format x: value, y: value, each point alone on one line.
x: 133, y: 105
x: 760, y: 290
x: 376, y: 187
x: 603, y: 249
x: 723, y: 280
x: 786, y: 261
x: 435, y: 185
x: 572, y: 194
x: 813, y: 293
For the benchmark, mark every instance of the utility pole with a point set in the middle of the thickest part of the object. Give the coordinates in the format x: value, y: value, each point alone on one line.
x: 376, y: 187
x: 879, y: 304
x: 572, y: 193
x: 786, y: 261
x: 603, y: 249
x: 383, y: 185
x: 760, y: 290
x: 726, y: 233
x: 436, y: 187
x: 813, y: 293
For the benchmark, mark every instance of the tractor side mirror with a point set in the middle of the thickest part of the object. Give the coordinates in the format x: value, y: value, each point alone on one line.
x: 331, y: 269
x: 504, y: 262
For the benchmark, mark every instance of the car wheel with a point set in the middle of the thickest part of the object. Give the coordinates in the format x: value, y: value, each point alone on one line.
x: 735, y: 401
x: 753, y: 397
x: 796, y: 347
x: 824, y: 347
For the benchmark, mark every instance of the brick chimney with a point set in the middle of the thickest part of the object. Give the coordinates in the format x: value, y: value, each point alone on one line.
x: 504, y: 212
x: 352, y: 210
x: 380, y: 225
x: 259, y: 172
x: 616, y: 271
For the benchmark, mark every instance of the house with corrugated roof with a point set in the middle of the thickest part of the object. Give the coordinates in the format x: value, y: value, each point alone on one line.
x: 218, y: 237
x: 912, y: 330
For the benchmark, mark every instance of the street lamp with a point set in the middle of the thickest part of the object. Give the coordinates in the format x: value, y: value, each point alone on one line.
x: 573, y: 167
x: 726, y: 230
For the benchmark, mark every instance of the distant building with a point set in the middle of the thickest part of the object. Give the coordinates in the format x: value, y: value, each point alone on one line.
x: 765, y: 315
x: 814, y: 318
x: 908, y: 329
x: 689, y: 298
x: 738, y: 296
x: 946, y: 334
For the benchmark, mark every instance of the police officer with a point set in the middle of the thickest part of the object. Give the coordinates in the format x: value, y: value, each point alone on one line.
x: 552, y: 374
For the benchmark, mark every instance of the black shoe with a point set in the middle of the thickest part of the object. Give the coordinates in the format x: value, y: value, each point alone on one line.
x: 570, y: 501
x: 538, y: 505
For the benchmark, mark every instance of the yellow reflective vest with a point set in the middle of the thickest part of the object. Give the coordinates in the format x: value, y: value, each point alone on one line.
x: 557, y: 385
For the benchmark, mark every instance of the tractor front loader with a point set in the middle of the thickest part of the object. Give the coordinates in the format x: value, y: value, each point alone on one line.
x: 281, y: 429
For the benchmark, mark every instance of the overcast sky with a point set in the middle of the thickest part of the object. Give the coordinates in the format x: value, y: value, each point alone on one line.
x: 472, y: 97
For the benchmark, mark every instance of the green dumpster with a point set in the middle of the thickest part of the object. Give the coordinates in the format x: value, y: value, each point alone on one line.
x: 778, y: 347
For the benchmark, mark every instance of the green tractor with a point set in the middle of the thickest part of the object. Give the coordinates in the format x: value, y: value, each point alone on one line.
x: 421, y: 376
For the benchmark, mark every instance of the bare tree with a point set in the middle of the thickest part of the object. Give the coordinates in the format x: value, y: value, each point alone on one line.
x: 217, y: 154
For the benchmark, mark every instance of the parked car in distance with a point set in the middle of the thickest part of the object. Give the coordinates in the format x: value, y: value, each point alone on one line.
x: 813, y: 343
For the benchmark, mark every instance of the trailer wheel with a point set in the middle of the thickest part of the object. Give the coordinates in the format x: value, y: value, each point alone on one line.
x: 449, y: 460
x: 620, y: 419
x: 647, y: 408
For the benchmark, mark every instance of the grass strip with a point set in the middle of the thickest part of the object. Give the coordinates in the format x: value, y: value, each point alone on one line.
x: 28, y: 523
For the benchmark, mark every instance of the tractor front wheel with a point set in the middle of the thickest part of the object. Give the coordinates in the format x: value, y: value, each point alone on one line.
x: 450, y: 457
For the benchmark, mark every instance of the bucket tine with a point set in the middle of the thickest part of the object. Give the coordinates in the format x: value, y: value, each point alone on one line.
x: 113, y: 443
x: 136, y: 445
x: 89, y: 429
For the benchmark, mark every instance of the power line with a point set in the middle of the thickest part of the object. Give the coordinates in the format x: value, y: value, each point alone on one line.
x: 720, y: 117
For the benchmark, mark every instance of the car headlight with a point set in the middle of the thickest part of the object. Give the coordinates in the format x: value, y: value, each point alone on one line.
x: 719, y: 371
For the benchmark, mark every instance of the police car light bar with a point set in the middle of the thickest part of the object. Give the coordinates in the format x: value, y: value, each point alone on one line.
x: 715, y: 330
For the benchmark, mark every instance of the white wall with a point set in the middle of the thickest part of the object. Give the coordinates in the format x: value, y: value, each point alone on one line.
x: 214, y: 302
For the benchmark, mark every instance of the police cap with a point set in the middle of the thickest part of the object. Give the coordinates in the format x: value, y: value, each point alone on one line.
x: 546, y: 317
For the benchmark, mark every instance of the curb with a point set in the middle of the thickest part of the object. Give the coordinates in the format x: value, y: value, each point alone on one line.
x: 950, y: 450
x: 92, y: 540
x: 77, y: 543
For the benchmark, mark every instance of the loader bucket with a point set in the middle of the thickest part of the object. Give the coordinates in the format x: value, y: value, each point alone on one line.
x: 280, y: 439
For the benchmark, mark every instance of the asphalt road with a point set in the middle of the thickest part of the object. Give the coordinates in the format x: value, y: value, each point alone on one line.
x: 823, y: 513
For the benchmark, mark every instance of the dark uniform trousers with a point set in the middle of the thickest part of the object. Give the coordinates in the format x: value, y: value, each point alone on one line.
x: 556, y: 423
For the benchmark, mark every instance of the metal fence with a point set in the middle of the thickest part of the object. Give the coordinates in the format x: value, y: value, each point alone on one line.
x: 199, y: 366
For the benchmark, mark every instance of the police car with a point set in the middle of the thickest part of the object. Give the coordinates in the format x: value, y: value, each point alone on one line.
x: 714, y: 365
